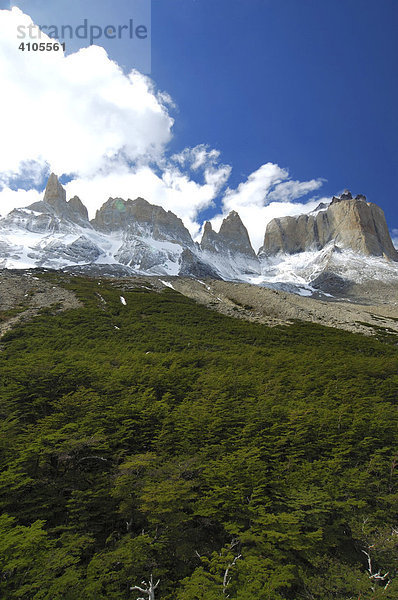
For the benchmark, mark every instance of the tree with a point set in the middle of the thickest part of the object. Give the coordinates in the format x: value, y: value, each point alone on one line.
x: 149, y: 588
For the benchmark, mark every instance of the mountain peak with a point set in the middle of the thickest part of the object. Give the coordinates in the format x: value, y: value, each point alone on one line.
x: 232, y: 237
x: 233, y: 215
x: 54, y: 204
x: 350, y: 223
x: 54, y: 193
x: 235, y: 234
x: 139, y: 217
x: 346, y: 195
x: 77, y: 206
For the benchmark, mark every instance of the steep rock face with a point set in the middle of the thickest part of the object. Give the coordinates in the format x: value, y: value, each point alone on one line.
x: 77, y: 206
x: 232, y: 237
x: 350, y: 223
x: 80, y: 250
x: 191, y: 266
x: 54, y: 193
x: 349, y: 239
x: 54, y: 204
x: 209, y: 238
x: 31, y: 220
x: 54, y: 201
x: 139, y: 217
x: 229, y: 251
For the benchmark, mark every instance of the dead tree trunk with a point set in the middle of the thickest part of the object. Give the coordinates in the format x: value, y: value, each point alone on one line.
x: 149, y: 588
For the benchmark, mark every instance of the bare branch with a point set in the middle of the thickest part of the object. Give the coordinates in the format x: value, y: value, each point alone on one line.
x: 227, y: 580
x: 149, y: 589
x: 136, y: 587
x: 375, y: 576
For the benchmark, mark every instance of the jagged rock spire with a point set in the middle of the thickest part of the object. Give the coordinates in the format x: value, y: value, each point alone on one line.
x: 232, y: 236
x: 348, y: 223
x: 54, y: 203
x: 141, y: 218
x: 235, y: 233
x: 78, y: 207
x: 54, y: 193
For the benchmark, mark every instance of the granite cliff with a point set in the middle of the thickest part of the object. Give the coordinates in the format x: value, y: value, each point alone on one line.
x: 340, y: 243
x: 349, y: 223
x: 231, y: 244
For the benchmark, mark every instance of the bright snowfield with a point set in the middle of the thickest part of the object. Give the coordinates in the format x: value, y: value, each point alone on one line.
x: 21, y: 248
x: 73, y: 244
x: 300, y: 269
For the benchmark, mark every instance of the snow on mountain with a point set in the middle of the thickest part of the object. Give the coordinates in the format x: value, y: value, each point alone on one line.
x: 344, y: 242
x: 309, y: 270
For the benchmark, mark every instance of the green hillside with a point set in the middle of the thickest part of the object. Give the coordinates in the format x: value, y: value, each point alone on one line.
x: 226, y: 458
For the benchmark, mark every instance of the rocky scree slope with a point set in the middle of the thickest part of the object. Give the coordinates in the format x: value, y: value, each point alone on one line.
x: 23, y: 294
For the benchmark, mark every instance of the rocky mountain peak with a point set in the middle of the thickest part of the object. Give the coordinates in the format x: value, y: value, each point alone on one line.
x: 77, y: 206
x: 209, y: 238
x: 233, y: 215
x: 54, y: 193
x: 139, y: 217
x: 321, y: 206
x: 232, y: 237
x: 349, y: 223
x: 235, y: 234
x: 142, y: 202
x: 54, y: 204
x: 346, y: 195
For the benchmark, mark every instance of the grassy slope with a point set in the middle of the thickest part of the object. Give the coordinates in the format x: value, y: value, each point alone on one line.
x: 162, y: 437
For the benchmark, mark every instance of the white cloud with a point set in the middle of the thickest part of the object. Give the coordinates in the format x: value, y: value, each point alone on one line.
x: 267, y: 193
x: 80, y: 115
x: 201, y: 158
x: 10, y: 199
x: 394, y: 237
x: 254, y: 190
x: 171, y: 189
x: 291, y: 190
x: 74, y: 114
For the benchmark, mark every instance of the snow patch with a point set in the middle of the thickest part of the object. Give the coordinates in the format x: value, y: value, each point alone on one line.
x: 304, y: 292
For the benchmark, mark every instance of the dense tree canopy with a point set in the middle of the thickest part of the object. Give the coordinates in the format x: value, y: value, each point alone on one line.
x: 225, y: 458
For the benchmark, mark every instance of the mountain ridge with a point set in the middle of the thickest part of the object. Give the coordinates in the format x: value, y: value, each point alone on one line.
x: 131, y: 237
x: 351, y: 223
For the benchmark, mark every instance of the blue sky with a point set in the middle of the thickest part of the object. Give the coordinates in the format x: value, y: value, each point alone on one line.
x: 309, y: 85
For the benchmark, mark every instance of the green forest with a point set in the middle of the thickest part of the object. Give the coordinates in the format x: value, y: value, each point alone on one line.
x: 162, y: 442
